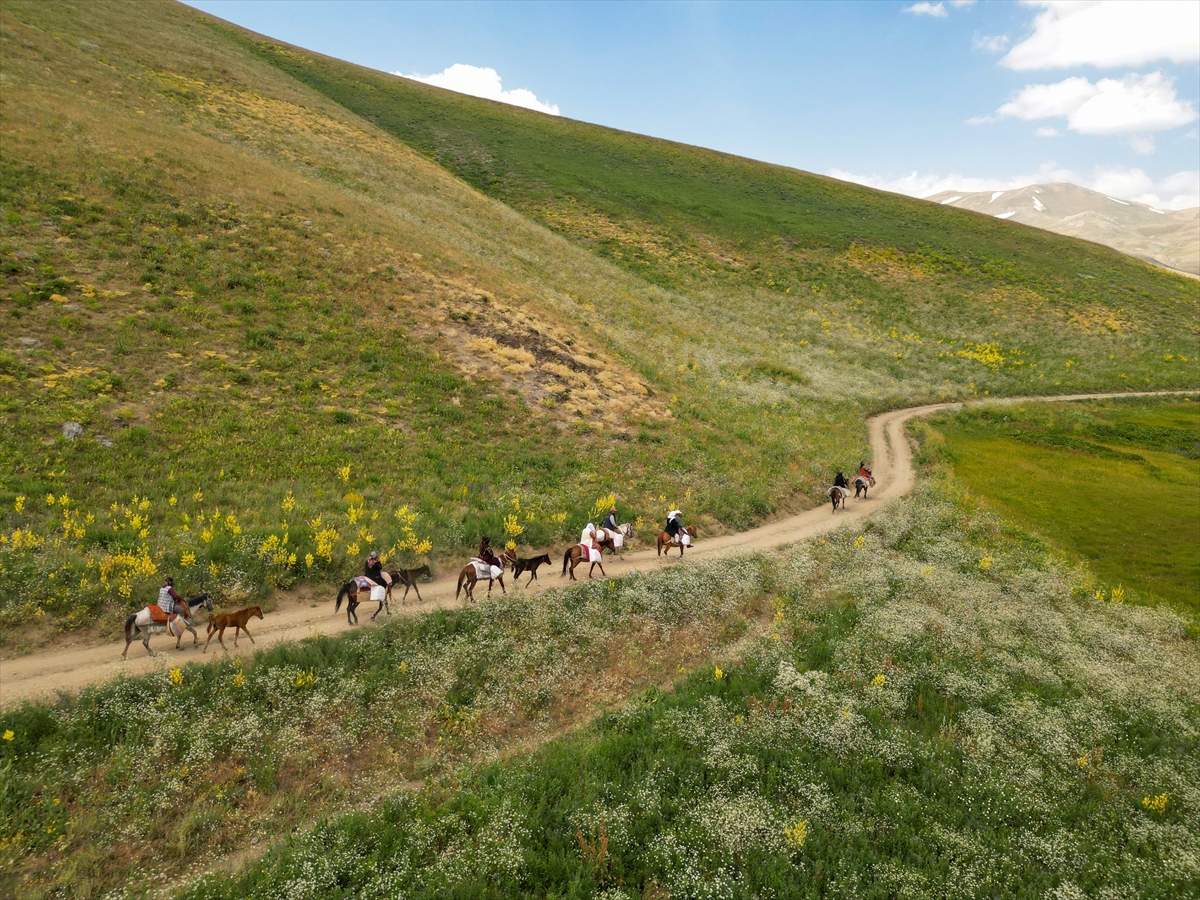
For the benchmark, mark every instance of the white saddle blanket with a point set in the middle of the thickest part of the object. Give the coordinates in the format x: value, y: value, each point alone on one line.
x: 683, y: 538
x: 591, y: 554
x: 618, y: 539
x: 483, y: 570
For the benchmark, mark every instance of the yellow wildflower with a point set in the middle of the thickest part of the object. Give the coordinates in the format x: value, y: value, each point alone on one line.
x: 176, y: 676
x: 797, y: 833
x: 19, y: 504
x: 879, y: 680
x: 718, y: 674
x: 985, y: 563
x: 8, y: 735
x: 859, y: 541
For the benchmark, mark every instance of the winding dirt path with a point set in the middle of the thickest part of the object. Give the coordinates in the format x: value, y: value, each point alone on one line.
x: 40, y: 675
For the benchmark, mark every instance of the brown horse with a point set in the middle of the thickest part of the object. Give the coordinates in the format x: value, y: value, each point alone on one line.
x: 468, y: 578
x: 574, y: 555
x: 838, y: 497
x: 667, y: 542
x: 521, y: 566
x: 408, y: 578
x: 235, y: 620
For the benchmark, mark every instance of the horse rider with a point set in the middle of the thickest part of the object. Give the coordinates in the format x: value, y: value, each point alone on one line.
x: 168, y: 600
x: 610, y: 521
x: 486, y: 554
x: 675, y: 524
x: 840, y: 481
x: 374, y: 570
x: 863, y: 471
x: 590, y: 538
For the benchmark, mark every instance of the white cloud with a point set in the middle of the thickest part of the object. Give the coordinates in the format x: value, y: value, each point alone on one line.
x: 1142, y: 143
x: 1178, y: 191
x: 1135, y: 104
x: 1113, y: 33
x: 937, y: 10
x: 991, y: 43
x: 483, y: 82
x: 1047, y: 132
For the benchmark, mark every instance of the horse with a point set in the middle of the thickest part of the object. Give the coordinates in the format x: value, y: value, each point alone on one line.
x: 520, y: 566
x: 837, y: 495
x: 665, y: 540
x: 142, y: 623
x: 408, y: 578
x: 574, y: 555
x: 236, y: 620
x: 468, y: 578
x: 626, y: 531
x: 862, y: 482
x: 350, y: 590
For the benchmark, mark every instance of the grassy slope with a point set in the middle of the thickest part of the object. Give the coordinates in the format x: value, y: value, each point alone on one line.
x: 264, y: 289
x: 767, y: 257
x: 1116, y: 483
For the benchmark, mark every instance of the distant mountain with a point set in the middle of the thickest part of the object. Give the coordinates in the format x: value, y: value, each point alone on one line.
x: 1170, y: 238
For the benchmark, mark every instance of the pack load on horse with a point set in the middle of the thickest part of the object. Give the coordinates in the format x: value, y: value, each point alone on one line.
x: 840, y: 491
x: 675, y: 534
x: 863, y: 480
x: 172, y: 614
x: 486, y: 565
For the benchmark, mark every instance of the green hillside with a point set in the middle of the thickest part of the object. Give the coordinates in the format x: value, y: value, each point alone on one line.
x: 235, y: 263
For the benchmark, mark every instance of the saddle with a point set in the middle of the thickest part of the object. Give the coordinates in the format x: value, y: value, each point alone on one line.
x: 363, y: 583
x: 157, y: 616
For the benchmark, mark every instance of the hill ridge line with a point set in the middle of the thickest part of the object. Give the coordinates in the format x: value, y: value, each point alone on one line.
x: 39, y: 675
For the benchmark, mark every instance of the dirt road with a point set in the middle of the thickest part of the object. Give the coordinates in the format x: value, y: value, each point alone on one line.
x: 39, y: 675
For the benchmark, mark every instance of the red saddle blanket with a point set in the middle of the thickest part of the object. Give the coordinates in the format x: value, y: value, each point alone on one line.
x: 157, y: 615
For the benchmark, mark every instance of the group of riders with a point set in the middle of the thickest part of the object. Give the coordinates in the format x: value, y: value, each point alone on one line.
x: 591, y: 539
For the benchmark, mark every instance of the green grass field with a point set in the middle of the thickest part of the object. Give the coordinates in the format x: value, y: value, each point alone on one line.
x: 932, y: 706
x: 1116, y: 484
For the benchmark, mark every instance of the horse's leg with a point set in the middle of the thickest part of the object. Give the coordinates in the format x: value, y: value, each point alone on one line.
x: 502, y: 590
x: 532, y: 575
x: 195, y: 637
x: 221, y: 638
x: 146, y: 642
x: 248, y: 634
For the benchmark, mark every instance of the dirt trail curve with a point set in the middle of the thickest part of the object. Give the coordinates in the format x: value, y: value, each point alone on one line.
x: 39, y: 675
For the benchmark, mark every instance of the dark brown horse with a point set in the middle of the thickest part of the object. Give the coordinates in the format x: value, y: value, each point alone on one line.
x: 468, y: 578
x: 408, y: 578
x: 350, y: 590
x: 666, y: 541
x: 520, y: 566
x: 838, y: 497
x: 235, y: 620
x: 863, y: 480
x: 574, y: 555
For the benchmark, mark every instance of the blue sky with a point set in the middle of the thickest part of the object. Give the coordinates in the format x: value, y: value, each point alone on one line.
x: 915, y: 97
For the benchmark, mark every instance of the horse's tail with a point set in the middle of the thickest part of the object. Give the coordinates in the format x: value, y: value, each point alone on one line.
x: 344, y: 592
x: 462, y: 576
x: 129, y: 627
x: 566, y: 559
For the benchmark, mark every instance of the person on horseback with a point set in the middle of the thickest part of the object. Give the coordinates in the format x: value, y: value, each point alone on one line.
x: 610, y: 521
x: 374, y: 570
x: 840, y: 481
x: 486, y: 554
x: 168, y: 600
x: 674, y: 524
